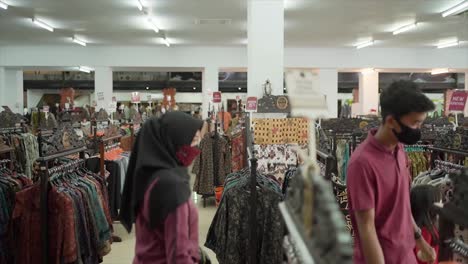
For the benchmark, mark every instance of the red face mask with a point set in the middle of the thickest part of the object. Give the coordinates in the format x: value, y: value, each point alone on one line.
x: 187, y: 154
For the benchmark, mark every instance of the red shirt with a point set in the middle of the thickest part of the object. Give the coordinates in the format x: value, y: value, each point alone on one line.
x: 428, y: 237
x: 379, y: 179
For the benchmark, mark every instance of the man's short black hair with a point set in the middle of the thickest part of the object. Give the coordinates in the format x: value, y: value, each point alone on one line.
x: 403, y: 97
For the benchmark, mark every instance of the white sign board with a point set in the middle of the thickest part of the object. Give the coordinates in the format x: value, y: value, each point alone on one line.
x: 305, y: 95
x: 100, y: 96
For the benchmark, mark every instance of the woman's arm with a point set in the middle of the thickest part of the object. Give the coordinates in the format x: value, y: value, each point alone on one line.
x: 179, y: 248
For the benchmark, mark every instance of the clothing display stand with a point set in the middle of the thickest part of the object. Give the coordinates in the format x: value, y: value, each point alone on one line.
x: 44, y: 173
x: 103, y: 144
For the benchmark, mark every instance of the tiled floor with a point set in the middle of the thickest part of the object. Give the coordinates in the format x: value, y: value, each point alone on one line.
x: 122, y: 253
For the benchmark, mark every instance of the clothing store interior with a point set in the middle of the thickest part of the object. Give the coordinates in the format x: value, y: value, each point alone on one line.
x: 233, y: 131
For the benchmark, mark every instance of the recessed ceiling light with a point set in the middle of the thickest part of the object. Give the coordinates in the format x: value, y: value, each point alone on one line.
x: 364, y: 44
x: 194, y: 88
x: 78, y: 41
x: 240, y: 88
x: 147, y: 88
x: 153, y: 24
x: 85, y: 69
x: 3, y: 5
x: 448, y: 44
x: 166, y: 42
x: 368, y: 70
x: 42, y: 25
x: 439, y: 71
x: 140, y: 5
x: 458, y: 9
x: 405, y: 28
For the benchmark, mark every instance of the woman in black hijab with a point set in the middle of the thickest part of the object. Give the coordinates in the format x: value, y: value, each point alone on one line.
x: 157, y: 194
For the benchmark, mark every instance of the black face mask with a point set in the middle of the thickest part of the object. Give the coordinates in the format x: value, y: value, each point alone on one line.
x: 408, y: 135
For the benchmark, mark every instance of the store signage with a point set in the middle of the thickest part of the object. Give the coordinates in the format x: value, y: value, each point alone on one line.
x: 100, y: 96
x: 304, y: 93
x: 216, y: 97
x: 114, y: 99
x: 458, y: 101
x: 238, y: 98
x: 136, y: 98
x: 251, y: 104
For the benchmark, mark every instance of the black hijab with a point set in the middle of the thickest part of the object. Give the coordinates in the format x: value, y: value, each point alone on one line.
x: 154, y: 157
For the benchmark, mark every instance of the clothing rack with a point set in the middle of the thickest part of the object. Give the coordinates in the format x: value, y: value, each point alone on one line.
x: 102, y: 152
x: 446, y: 164
x: 7, y: 161
x: 253, y: 198
x: 45, y: 173
x: 437, y: 151
x: 328, y: 160
x: 9, y: 149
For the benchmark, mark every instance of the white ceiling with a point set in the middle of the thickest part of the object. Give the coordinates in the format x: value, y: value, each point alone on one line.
x: 317, y: 23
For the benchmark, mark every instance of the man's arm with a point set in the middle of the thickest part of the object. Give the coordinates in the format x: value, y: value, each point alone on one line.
x: 368, y: 236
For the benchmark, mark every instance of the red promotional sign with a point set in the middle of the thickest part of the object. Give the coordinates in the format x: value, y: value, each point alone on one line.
x: 136, y: 98
x: 216, y: 97
x: 458, y: 101
x: 251, y: 104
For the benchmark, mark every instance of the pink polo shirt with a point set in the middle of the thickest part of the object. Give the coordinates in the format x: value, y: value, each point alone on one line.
x: 379, y: 179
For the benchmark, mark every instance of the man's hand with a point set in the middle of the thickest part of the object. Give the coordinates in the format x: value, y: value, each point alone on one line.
x: 427, y: 252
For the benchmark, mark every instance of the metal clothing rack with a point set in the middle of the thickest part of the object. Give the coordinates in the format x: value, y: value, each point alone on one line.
x: 329, y: 161
x: 103, y: 143
x: 44, y: 191
x: 253, y: 238
x: 446, y: 164
x: 436, y: 151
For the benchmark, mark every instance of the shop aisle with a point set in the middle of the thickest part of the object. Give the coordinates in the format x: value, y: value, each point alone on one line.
x: 122, y: 253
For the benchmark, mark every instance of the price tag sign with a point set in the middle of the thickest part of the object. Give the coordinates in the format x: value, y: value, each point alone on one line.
x: 251, y: 104
x: 216, y: 97
x: 304, y: 94
x: 136, y: 98
x: 458, y: 101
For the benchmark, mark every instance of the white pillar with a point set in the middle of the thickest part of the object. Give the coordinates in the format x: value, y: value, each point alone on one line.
x: 328, y: 81
x: 11, y: 89
x: 210, y: 85
x: 265, y: 45
x: 368, y: 92
x: 103, y: 87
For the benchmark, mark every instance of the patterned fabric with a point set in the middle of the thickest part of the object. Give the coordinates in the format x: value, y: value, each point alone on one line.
x: 238, y: 152
x: 228, y: 235
x: 212, y: 165
x: 281, y: 131
x: 341, y: 193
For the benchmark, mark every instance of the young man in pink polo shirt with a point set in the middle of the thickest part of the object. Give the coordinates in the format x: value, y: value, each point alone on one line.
x: 379, y: 181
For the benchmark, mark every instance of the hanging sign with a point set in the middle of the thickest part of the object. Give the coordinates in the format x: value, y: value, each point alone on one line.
x: 251, y: 104
x: 216, y: 97
x: 458, y: 101
x: 304, y: 93
x: 136, y: 98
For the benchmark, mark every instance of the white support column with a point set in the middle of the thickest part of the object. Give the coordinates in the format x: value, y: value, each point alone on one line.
x: 103, y: 87
x: 210, y: 84
x: 368, y: 92
x: 265, y: 45
x: 11, y: 89
x: 328, y: 80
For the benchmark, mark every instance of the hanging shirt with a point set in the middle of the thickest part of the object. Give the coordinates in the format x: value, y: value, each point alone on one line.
x: 379, y: 179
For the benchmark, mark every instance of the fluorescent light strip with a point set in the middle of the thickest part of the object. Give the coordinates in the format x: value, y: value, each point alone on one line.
x: 166, y: 42
x: 439, y: 71
x: 140, y: 5
x: 153, y: 24
x: 405, y: 28
x: 447, y: 45
x: 3, y: 5
x: 43, y: 25
x: 77, y: 41
x: 85, y: 69
x: 365, y: 44
x: 460, y: 8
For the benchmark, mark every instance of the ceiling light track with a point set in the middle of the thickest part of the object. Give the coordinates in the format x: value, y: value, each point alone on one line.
x: 42, y: 25
x: 448, y: 44
x: 405, y: 28
x: 456, y: 10
x: 166, y: 42
x: 78, y: 41
x: 3, y: 5
x: 364, y: 44
x: 153, y: 24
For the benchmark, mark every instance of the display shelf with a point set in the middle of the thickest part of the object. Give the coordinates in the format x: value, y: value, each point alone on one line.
x: 296, y: 237
x: 451, y: 151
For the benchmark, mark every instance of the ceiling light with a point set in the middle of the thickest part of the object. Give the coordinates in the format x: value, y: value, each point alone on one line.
x: 368, y: 70
x: 365, y: 44
x: 439, y: 71
x: 42, y: 25
x: 3, y: 5
x: 153, y: 25
x: 239, y: 88
x: 147, y: 88
x: 194, y: 88
x: 405, y: 28
x: 458, y: 9
x: 78, y: 41
x: 140, y: 5
x: 447, y: 44
x: 85, y: 69
x: 166, y: 42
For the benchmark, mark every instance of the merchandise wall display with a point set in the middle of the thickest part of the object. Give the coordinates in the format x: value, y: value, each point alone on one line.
x: 269, y: 131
